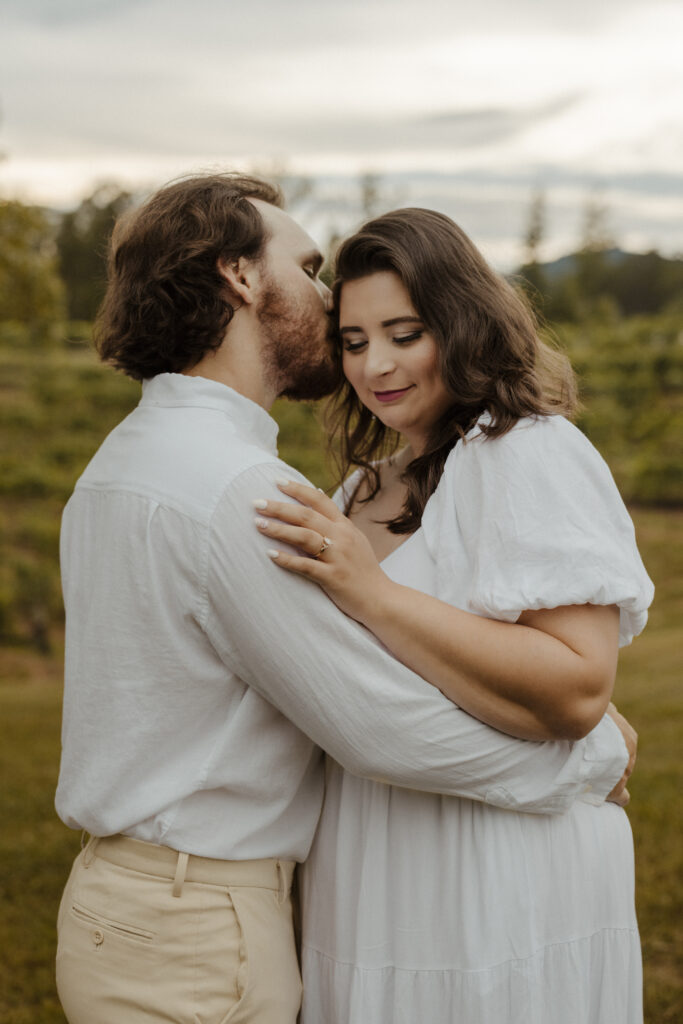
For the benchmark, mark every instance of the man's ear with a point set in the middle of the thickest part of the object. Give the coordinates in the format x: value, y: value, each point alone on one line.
x: 241, y: 277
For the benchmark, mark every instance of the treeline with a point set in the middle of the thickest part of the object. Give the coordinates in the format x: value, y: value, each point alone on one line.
x: 53, y: 266
x: 599, y: 280
x: 604, y: 283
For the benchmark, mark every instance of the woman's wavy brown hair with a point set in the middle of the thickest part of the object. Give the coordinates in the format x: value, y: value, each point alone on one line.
x: 166, y: 303
x: 491, y: 357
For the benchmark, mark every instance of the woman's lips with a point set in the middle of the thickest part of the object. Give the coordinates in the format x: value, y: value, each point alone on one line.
x: 390, y: 396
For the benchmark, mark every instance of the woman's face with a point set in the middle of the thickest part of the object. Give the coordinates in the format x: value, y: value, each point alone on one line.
x: 389, y: 358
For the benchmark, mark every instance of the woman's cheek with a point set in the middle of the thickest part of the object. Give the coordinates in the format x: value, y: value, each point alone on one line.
x: 350, y: 372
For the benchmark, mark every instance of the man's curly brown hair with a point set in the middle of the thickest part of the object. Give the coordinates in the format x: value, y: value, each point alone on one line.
x: 166, y: 303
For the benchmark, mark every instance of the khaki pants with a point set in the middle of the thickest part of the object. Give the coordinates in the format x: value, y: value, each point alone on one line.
x: 148, y: 934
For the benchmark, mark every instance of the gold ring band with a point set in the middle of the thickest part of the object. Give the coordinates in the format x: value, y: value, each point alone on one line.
x: 323, y: 547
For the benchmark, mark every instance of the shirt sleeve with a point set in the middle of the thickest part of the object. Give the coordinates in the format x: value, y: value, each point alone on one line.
x: 283, y: 636
x: 542, y: 524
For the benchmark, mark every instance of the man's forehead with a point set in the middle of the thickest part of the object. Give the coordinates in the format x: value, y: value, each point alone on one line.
x: 282, y: 228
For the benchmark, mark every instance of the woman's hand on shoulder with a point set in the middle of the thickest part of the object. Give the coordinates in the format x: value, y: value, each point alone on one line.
x: 330, y: 550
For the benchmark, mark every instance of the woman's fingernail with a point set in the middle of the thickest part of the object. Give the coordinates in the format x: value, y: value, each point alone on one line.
x: 261, y: 523
x: 260, y: 503
x: 272, y: 553
x: 282, y: 482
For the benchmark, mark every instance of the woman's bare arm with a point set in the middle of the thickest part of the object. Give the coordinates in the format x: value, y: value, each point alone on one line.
x: 548, y: 676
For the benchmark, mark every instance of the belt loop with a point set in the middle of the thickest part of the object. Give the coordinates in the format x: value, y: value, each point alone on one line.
x: 89, y: 850
x: 282, y: 884
x: 181, y: 868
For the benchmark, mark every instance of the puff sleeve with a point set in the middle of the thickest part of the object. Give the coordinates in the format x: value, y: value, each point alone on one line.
x: 533, y: 519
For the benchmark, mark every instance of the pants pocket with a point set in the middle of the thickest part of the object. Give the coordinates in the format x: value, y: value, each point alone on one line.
x: 89, y: 919
x: 272, y: 992
x: 237, y: 962
x: 130, y: 951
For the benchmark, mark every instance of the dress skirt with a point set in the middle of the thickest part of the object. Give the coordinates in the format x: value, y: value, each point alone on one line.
x: 428, y: 909
x: 420, y: 908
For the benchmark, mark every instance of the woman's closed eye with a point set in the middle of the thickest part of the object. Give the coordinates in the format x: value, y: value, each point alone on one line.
x: 357, y: 344
x: 354, y: 344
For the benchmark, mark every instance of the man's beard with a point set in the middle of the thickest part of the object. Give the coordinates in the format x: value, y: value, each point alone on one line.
x: 296, y: 348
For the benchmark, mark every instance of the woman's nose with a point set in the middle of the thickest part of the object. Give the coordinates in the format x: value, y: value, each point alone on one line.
x: 379, y: 360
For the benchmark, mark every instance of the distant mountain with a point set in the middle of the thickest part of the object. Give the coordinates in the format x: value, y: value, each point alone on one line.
x: 638, y: 283
x: 565, y: 265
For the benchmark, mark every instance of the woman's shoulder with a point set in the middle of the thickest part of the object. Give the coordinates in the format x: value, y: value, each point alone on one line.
x: 356, y: 487
x: 359, y: 484
x: 540, y: 518
x: 348, y: 490
x: 538, y: 470
x: 550, y: 444
x: 528, y: 432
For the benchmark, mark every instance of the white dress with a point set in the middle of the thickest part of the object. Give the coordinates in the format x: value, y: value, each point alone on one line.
x: 422, y: 909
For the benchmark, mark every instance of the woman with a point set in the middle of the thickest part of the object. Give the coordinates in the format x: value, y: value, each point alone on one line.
x: 508, y: 578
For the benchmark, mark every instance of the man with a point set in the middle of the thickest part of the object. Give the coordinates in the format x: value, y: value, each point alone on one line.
x: 201, y: 684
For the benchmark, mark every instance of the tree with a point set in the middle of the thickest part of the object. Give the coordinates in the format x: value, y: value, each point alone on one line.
x: 370, y: 194
x: 592, y: 265
x: 82, y: 242
x: 596, y: 236
x: 535, y: 231
x: 532, y: 271
x: 30, y: 288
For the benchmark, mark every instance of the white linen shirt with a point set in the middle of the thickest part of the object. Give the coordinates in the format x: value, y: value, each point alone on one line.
x: 201, y: 680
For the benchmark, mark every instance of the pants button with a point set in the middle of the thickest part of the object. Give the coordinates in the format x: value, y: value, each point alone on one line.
x: 98, y: 937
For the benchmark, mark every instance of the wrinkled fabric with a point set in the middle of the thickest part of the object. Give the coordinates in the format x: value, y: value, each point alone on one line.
x: 439, y: 909
x: 533, y: 520
x: 201, y: 680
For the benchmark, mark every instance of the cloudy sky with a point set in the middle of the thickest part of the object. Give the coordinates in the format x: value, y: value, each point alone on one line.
x: 467, y: 108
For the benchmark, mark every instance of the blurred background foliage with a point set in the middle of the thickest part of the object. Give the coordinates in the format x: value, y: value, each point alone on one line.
x: 619, y: 316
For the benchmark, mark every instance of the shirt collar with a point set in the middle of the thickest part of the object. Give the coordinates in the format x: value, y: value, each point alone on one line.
x: 251, y: 421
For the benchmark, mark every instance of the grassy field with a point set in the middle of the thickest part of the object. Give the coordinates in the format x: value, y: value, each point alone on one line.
x: 36, y: 849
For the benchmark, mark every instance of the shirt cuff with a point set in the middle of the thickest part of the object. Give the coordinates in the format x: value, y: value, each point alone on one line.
x: 605, y: 758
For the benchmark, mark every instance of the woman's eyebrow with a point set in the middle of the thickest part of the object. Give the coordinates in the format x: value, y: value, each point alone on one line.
x: 385, y: 323
x: 401, y: 320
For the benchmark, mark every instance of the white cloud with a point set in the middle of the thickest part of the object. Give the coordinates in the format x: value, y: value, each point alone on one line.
x: 143, y: 90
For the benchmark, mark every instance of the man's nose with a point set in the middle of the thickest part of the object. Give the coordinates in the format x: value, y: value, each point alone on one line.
x: 326, y: 295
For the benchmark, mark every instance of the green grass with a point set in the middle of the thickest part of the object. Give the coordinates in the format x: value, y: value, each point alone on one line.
x: 36, y: 850
x: 649, y: 694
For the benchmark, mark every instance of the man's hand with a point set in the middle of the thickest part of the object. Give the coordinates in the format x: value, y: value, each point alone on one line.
x: 620, y: 795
